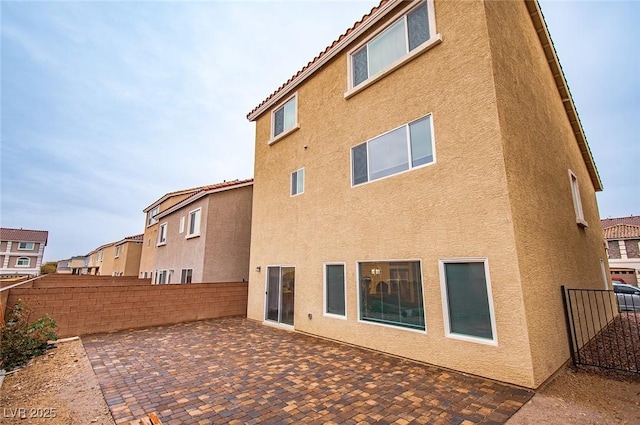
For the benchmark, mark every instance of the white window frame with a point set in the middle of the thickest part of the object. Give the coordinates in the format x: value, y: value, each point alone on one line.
x: 324, y: 290
x: 399, y: 328
x: 160, y: 273
x: 23, y: 265
x: 100, y: 255
x: 577, y: 200
x: 445, y: 301
x: 434, y: 39
x: 28, y: 246
x: 273, y: 137
x: 116, y: 251
x: 162, y: 240
x: 151, y: 220
x: 183, y: 275
x: 291, y: 188
x: 196, y: 231
x: 182, y: 219
x: 411, y: 168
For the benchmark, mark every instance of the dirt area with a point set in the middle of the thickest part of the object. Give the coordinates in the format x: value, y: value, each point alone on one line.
x: 57, y: 388
x: 63, y: 380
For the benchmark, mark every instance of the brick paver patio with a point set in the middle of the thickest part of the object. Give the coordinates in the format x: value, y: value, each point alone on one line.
x: 238, y: 371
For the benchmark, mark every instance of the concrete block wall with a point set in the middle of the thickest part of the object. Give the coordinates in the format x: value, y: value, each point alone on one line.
x: 88, y: 310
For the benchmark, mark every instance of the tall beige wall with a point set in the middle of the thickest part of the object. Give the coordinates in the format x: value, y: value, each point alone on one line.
x: 540, y: 148
x: 228, y: 236
x: 457, y: 207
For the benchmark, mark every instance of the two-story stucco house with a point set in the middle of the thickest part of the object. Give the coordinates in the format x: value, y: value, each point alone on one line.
x: 150, y: 236
x: 423, y: 187
x: 622, y: 235
x: 21, y: 251
x: 206, y: 236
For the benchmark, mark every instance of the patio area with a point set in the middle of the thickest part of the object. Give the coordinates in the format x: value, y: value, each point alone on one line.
x: 237, y: 371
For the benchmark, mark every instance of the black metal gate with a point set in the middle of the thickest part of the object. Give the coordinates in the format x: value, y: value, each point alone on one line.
x: 599, y: 333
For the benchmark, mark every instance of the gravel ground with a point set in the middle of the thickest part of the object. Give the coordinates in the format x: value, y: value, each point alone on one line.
x: 63, y: 380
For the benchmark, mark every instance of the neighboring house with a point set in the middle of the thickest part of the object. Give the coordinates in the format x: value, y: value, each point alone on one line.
x: 151, y: 228
x: 75, y: 265
x: 21, y: 251
x: 423, y: 187
x: 623, y: 247
x: 100, y: 260
x: 206, y: 236
x: 126, y: 256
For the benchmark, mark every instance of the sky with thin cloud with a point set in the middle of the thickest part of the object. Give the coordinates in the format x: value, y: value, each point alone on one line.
x: 108, y: 105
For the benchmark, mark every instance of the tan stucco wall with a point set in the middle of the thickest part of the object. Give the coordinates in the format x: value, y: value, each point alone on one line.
x: 147, y: 253
x: 540, y: 148
x: 228, y: 236
x: 106, y: 265
x: 179, y: 252
x: 128, y: 261
x: 457, y: 207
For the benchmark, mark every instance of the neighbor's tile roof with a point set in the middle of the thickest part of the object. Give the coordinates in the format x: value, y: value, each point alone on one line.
x: 633, y: 220
x: 321, y: 54
x: 24, y: 235
x: 622, y: 231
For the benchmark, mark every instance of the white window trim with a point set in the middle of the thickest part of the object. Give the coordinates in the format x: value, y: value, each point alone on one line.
x: 433, y: 152
x: 324, y: 290
x: 33, y: 246
x: 273, y: 139
x: 304, y: 181
x: 434, y: 40
x: 182, y: 220
x: 577, y: 200
x: 445, y: 301
x: 400, y: 328
x: 116, y: 251
x: 151, y: 220
x: 164, y: 242
x: 195, y: 234
x: 23, y: 265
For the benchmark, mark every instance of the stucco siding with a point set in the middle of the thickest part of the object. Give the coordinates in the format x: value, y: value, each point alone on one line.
x: 228, y: 235
x: 539, y: 148
x: 458, y: 206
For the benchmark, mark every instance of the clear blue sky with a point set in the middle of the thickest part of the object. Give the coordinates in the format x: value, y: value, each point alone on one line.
x: 108, y: 105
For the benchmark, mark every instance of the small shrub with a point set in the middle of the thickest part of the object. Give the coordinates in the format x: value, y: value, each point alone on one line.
x: 21, y: 340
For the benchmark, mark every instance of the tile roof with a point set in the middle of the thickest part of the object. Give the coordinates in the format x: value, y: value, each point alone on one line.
x: 24, y: 235
x: 622, y: 231
x: 322, y: 54
x: 633, y: 220
x: 204, y: 190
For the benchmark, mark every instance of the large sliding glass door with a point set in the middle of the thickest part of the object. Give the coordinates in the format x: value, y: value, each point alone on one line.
x: 280, y: 294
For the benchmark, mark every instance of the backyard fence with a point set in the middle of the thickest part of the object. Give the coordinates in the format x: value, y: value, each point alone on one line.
x: 600, y: 334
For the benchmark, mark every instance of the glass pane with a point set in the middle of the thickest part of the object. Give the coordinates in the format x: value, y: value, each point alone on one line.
x: 289, y: 114
x: 418, y: 26
x: 387, y: 47
x: 359, y: 165
x: 300, y: 187
x: 469, y: 312
x: 294, y: 183
x: 273, y: 292
x: 421, y: 148
x: 335, y: 289
x: 388, y: 154
x: 278, y: 122
x: 359, y: 64
x: 391, y: 293
x: 288, y: 291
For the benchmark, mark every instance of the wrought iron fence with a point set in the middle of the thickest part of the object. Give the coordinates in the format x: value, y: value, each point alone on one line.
x: 604, y: 328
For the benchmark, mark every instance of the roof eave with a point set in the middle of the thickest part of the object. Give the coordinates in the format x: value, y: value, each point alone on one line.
x: 563, y: 89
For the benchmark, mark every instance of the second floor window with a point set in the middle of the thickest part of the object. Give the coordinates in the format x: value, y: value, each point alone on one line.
x: 297, y: 182
x: 194, y: 223
x: 399, y: 150
x: 23, y: 262
x: 405, y: 35
x: 152, y: 216
x: 285, y: 117
x: 117, y: 254
x: 162, y: 234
